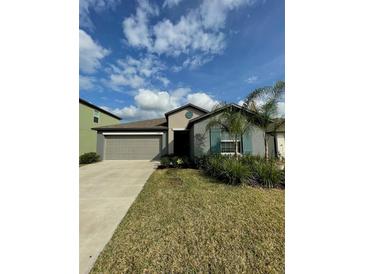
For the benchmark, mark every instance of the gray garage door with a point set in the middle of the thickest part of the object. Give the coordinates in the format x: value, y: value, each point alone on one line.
x: 132, y: 147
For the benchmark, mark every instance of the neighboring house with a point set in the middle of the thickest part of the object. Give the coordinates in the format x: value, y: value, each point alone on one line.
x: 181, y: 132
x: 92, y: 116
x: 276, y: 137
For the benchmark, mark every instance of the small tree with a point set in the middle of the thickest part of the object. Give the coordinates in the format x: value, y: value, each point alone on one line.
x: 231, y: 121
x: 264, y: 103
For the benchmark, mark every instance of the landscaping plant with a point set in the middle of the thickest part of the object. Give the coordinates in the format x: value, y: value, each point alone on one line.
x: 88, y: 158
x: 267, y: 173
x: 174, y: 161
x: 247, y: 169
x: 264, y: 103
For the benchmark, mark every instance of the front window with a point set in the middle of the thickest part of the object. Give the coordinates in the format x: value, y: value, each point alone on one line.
x: 229, y: 146
x: 96, y: 116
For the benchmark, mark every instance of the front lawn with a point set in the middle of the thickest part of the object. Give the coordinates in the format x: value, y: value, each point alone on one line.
x: 185, y: 222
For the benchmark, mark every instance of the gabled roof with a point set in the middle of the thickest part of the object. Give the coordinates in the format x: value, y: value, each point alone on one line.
x: 86, y: 103
x: 149, y: 125
x: 207, y: 115
x: 185, y: 106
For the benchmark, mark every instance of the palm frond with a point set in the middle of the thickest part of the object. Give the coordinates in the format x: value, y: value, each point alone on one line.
x: 269, y: 108
x: 278, y: 90
x: 257, y: 94
x: 268, y: 98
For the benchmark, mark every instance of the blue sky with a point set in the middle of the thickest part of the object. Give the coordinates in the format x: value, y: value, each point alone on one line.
x: 140, y: 59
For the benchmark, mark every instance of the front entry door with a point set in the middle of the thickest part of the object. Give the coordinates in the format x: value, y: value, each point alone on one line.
x: 181, y: 143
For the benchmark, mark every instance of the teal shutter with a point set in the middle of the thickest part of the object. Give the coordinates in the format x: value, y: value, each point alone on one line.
x: 215, y: 140
x: 247, y: 143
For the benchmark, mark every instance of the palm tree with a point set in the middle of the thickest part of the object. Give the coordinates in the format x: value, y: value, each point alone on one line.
x: 264, y: 103
x: 231, y: 121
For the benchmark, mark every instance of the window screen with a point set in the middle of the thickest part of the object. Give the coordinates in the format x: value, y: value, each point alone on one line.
x: 229, y: 147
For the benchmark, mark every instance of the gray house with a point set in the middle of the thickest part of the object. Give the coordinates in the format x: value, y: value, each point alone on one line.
x: 181, y: 132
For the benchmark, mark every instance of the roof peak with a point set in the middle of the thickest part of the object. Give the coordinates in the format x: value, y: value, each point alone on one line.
x: 83, y: 101
x: 186, y: 106
x: 221, y: 108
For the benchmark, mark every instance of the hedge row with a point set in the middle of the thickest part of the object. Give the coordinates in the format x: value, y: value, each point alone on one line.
x: 245, y: 170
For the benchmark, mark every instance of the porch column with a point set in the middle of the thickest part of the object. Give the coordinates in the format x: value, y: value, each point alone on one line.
x: 170, y: 140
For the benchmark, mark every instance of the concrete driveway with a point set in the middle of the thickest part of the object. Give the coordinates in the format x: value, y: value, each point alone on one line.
x: 107, y: 190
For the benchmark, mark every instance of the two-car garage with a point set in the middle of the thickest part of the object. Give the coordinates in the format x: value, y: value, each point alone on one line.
x: 133, y: 147
x: 141, y: 140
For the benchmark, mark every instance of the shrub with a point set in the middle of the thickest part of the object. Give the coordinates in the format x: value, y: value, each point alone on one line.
x: 247, y: 169
x: 267, y: 174
x: 234, y: 172
x: 88, y: 158
x: 164, y: 161
x: 225, y: 168
x: 174, y: 161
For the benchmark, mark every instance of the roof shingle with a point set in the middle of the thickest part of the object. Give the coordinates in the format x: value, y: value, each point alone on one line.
x: 152, y: 124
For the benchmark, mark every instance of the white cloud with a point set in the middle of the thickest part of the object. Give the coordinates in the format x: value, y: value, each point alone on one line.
x: 135, y: 73
x: 135, y: 27
x: 214, y: 12
x: 197, y: 33
x: 132, y: 113
x: 202, y: 99
x: 196, y: 61
x: 131, y: 80
x: 154, y: 103
x: 252, y: 79
x: 86, y: 82
x: 175, y: 39
x: 163, y: 80
x: 91, y: 53
x: 154, y: 100
x: 96, y: 5
x: 171, y: 3
x: 180, y: 92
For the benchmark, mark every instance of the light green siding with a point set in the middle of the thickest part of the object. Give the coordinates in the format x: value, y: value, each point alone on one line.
x: 87, y: 136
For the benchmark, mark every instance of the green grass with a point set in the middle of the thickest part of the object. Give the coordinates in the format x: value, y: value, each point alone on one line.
x: 185, y: 222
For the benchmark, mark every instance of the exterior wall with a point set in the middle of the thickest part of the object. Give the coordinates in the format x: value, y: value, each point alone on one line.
x: 178, y: 120
x: 271, y: 144
x: 258, y: 142
x: 100, y: 146
x: 87, y: 136
x: 164, y: 144
x: 201, y: 139
x: 280, y: 139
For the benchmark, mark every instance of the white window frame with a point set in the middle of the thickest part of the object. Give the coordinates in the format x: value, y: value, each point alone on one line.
x: 96, y: 114
x: 230, y: 141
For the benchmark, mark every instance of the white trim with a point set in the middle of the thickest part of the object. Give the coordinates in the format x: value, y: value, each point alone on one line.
x: 230, y: 153
x: 229, y: 141
x: 179, y: 128
x: 132, y: 133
